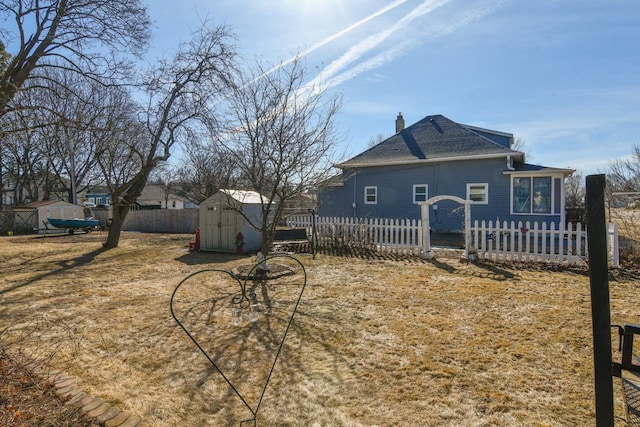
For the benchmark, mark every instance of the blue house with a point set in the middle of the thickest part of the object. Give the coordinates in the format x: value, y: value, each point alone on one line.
x: 439, y: 157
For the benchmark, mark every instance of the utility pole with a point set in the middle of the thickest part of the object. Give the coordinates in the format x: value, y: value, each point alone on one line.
x: 74, y: 197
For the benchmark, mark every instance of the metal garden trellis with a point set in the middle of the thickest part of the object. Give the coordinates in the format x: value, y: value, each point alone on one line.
x: 243, y: 300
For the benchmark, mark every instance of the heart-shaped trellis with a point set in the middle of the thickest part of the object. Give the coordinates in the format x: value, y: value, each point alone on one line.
x: 239, y: 317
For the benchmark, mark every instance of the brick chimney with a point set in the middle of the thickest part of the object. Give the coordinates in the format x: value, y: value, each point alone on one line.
x: 399, y: 123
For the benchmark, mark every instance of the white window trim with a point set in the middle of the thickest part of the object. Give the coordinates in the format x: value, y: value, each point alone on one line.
x: 426, y: 196
x: 486, y: 192
x: 553, y: 206
x: 375, y: 194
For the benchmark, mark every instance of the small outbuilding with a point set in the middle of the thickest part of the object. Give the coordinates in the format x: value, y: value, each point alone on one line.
x: 221, y: 221
x: 33, y: 216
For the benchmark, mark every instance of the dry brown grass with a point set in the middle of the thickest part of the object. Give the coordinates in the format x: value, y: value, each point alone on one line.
x: 376, y: 341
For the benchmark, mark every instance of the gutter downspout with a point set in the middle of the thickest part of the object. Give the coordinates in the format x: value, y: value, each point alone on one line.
x: 510, y: 163
x: 355, y: 189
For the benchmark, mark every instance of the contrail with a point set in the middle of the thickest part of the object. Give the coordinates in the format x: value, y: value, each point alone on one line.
x: 374, y: 40
x: 352, y: 27
x: 397, y: 50
x: 331, y: 38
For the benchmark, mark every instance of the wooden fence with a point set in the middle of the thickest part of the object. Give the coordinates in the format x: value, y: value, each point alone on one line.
x: 499, y: 241
x: 163, y: 221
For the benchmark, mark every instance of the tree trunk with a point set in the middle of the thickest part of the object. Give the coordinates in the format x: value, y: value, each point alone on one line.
x: 119, y: 215
x: 265, y: 245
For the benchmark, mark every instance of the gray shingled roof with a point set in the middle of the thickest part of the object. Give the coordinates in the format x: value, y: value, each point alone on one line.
x: 434, y: 137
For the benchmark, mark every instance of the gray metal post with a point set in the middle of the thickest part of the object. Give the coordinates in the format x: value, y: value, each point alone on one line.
x: 600, y: 310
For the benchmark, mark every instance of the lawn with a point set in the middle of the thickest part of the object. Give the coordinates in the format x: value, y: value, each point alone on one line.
x: 376, y: 340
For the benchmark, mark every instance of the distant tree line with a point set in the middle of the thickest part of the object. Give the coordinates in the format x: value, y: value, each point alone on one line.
x: 77, y: 110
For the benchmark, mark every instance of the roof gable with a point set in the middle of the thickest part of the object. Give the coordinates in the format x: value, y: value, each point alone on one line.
x: 431, y: 138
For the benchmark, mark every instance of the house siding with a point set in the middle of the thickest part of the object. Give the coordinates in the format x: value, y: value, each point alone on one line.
x: 395, y: 193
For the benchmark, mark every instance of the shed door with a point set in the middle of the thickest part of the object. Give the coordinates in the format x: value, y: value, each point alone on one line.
x: 210, y: 231
x: 228, y: 229
x: 221, y: 228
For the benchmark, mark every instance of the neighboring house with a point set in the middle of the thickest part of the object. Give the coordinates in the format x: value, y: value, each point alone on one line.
x: 157, y: 196
x: 154, y: 196
x: 437, y: 156
x: 99, y: 196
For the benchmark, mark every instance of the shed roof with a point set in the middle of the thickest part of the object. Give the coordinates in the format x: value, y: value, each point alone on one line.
x: 245, y: 196
x: 432, y: 138
x: 39, y: 203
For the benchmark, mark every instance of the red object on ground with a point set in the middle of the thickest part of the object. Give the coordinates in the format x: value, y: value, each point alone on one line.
x: 239, y: 243
x: 195, y: 245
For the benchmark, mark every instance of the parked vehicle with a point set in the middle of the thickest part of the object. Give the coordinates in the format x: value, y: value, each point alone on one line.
x: 87, y: 224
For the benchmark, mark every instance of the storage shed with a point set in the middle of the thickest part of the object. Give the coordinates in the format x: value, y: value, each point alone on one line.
x: 220, y: 221
x: 32, y: 216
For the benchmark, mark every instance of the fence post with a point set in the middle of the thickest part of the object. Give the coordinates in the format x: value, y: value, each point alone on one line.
x: 613, y: 242
x: 427, y: 253
x: 600, y: 309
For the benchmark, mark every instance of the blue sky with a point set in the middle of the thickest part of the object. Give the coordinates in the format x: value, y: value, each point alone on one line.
x: 563, y: 75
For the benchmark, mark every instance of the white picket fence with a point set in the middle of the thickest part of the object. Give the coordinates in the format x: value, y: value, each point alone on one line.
x: 403, y: 236
x: 497, y: 241
x: 502, y: 241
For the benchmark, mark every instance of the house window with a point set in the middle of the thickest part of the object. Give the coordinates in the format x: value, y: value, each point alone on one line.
x: 478, y: 193
x: 532, y: 195
x: 420, y: 193
x: 370, y: 195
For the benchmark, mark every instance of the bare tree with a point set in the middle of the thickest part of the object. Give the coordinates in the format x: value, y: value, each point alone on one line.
x: 623, y: 192
x: 624, y: 174
x: 25, y: 162
x: 62, y: 128
x: 204, y: 168
x: 180, y: 95
x: 73, y: 116
x: 25, y: 167
x: 575, y: 190
x: 375, y: 140
x: 85, y: 36
x: 283, y: 139
x: 520, y: 144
